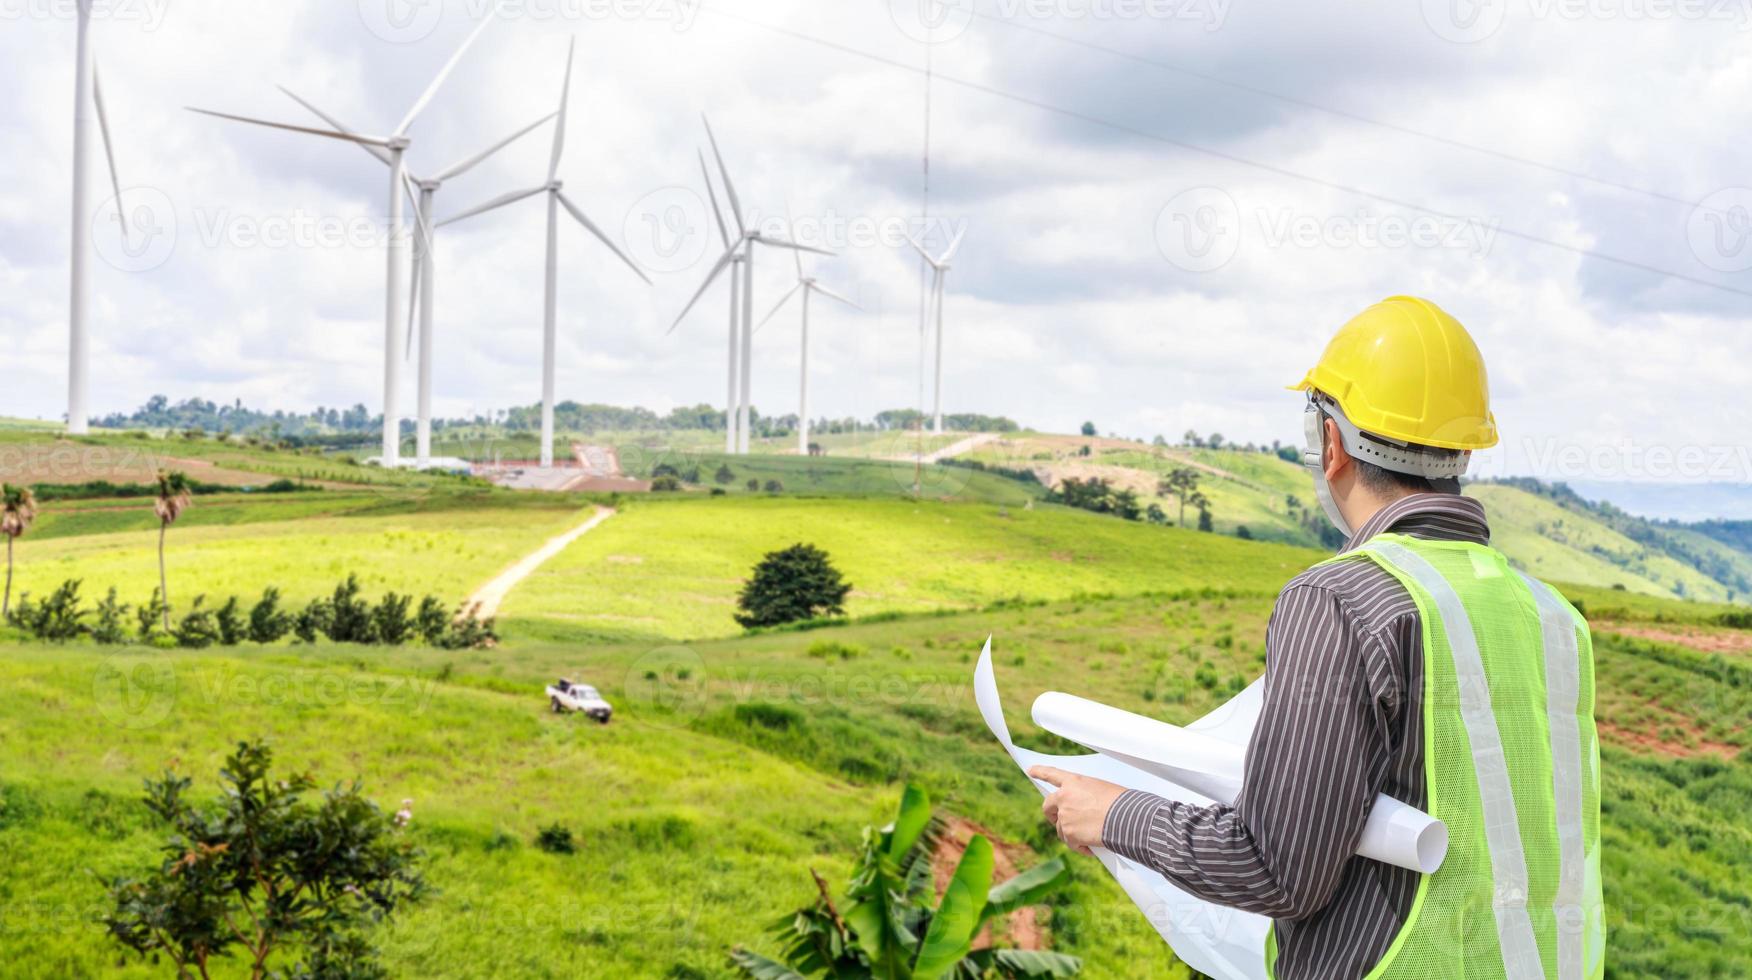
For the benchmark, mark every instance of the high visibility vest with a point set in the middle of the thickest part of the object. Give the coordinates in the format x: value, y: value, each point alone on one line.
x: 1512, y: 766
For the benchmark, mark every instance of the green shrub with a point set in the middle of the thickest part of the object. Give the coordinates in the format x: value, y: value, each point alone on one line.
x: 314, y: 620
x: 111, y: 627
x: 150, y: 618
x: 431, y: 621
x: 390, y: 623
x: 555, y: 839
x: 197, y: 630
x: 350, y: 617
x: 829, y: 649
x: 58, y: 618
x: 665, y: 484
x: 306, y: 876
x: 774, y: 717
x: 791, y: 585
x: 233, y: 629
x: 267, y: 623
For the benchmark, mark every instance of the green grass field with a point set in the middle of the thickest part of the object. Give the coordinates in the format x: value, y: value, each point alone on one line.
x: 736, y: 763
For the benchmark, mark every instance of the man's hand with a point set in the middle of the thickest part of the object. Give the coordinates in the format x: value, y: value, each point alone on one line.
x: 1079, y: 809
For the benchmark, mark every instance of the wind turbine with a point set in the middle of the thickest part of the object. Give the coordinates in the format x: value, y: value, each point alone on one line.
x: 556, y: 198
x: 420, y: 303
x: 805, y: 285
x: 395, y: 148
x: 739, y: 251
x: 87, y: 93
x: 939, y: 272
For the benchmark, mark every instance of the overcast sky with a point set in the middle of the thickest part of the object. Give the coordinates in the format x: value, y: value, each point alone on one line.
x: 1169, y: 205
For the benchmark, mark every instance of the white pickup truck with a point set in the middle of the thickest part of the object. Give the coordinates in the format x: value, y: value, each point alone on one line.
x: 567, y: 696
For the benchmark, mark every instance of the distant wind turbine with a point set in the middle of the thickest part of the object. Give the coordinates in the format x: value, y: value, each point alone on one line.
x: 87, y: 94
x: 939, y: 272
x: 739, y: 250
x: 556, y: 198
x: 420, y: 303
x: 805, y: 285
x: 395, y: 147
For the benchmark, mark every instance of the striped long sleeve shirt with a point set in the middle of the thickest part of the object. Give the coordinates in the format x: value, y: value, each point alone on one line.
x: 1341, y: 724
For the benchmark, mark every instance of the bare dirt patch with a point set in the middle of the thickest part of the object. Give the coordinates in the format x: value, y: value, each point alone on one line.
x: 1650, y: 742
x: 1701, y: 638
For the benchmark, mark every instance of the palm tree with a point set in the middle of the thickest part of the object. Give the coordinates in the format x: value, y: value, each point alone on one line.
x: 174, y: 497
x: 17, y: 510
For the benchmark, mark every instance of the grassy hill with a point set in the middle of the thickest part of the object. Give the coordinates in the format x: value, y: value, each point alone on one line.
x: 736, y: 762
x: 1545, y: 530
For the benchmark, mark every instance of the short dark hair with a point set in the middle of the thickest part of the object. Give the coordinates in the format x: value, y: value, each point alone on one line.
x: 1386, y: 482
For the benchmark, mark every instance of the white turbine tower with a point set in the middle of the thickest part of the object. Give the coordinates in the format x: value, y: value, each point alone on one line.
x: 420, y: 302
x: 395, y: 147
x: 806, y: 285
x: 939, y: 272
x: 739, y: 252
x: 556, y: 198
x: 87, y: 95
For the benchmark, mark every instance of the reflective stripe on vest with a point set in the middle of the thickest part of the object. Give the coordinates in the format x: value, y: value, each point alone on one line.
x: 1562, y: 692
x: 1502, y: 829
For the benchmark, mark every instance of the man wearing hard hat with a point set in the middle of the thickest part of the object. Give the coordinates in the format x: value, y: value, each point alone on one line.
x: 1420, y: 664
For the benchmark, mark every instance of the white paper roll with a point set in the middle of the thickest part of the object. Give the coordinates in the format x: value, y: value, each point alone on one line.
x: 1396, y: 833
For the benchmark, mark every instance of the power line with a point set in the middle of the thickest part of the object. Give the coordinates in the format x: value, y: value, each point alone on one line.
x: 1222, y: 154
x: 1342, y: 113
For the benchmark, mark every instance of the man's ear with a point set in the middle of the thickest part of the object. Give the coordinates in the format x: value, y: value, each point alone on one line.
x: 1336, y: 460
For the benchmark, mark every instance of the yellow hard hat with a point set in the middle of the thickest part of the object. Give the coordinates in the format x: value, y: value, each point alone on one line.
x: 1406, y: 370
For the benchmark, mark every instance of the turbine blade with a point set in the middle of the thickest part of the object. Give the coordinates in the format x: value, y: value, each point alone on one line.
x: 375, y: 151
x: 954, y: 243
x: 729, y: 187
x: 449, y: 66
x: 782, y: 243
x: 910, y: 240
x: 791, y: 222
x: 830, y: 294
x: 779, y: 306
x: 458, y: 169
x: 565, y: 100
x: 590, y: 226
x: 496, y: 203
x: 711, y: 277
x: 331, y: 134
x: 109, y: 148
x: 717, y: 214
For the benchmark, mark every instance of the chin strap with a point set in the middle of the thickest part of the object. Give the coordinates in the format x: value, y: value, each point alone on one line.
x: 1314, y: 458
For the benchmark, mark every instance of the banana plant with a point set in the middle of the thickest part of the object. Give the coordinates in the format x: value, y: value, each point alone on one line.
x: 885, y: 927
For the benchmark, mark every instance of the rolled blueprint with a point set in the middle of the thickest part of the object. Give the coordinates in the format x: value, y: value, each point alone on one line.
x: 1208, y: 757
x: 1210, y: 765
x: 1212, y: 939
